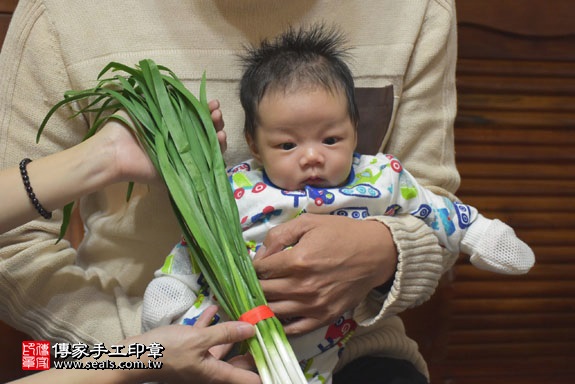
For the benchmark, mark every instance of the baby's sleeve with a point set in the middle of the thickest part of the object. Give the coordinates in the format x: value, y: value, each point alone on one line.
x: 491, y: 244
x: 402, y: 194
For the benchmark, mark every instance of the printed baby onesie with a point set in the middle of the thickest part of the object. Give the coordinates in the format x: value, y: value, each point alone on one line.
x: 377, y: 185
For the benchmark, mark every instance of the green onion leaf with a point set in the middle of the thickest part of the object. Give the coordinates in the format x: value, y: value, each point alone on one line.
x: 176, y: 130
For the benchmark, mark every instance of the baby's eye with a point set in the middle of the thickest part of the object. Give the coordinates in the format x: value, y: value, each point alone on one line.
x: 330, y: 141
x: 287, y: 146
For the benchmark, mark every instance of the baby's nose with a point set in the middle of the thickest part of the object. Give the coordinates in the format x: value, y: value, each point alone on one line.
x: 312, y: 156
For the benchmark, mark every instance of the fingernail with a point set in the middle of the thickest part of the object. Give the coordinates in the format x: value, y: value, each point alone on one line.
x: 246, y: 328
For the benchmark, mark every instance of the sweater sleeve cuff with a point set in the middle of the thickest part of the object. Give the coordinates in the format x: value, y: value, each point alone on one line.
x: 421, y: 262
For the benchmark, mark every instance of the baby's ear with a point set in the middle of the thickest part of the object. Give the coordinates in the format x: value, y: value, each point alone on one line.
x: 253, y: 147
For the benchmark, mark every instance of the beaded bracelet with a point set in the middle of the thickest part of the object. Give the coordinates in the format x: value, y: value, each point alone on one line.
x: 26, y: 180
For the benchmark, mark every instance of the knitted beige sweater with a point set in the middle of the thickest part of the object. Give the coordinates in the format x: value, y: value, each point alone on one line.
x: 94, y: 294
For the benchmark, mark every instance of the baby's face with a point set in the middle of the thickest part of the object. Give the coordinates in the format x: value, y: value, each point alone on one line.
x: 304, y: 137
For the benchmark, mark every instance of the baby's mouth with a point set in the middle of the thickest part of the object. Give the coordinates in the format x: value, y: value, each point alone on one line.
x: 314, y: 180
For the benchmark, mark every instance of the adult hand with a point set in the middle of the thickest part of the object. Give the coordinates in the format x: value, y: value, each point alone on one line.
x: 218, y: 121
x: 129, y: 161
x: 334, y: 262
x: 186, y: 357
x: 192, y: 354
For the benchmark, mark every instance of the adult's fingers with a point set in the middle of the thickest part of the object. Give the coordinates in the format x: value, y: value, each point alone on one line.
x: 206, y: 317
x: 222, y: 140
x: 226, y: 333
x: 216, y: 114
x: 283, y: 235
x: 302, y: 325
x: 244, y: 362
x: 213, y: 105
x: 218, y: 119
x: 230, y: 374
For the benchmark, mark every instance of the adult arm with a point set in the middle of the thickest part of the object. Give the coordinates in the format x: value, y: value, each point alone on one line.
x: 48, y: 290
x: 44, y: 289
x: 110, y: 156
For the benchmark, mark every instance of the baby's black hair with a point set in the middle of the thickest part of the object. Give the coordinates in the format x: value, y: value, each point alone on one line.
x: 304, y: 57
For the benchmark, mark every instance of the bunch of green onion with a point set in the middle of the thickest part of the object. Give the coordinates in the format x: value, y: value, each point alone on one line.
x: 176, y: 130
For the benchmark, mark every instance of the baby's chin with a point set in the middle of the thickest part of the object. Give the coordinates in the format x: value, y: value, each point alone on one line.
x: 316, y: 183
x: 301, y: 185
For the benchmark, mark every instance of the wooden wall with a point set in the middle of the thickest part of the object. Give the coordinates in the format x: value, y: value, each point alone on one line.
x: 6, y: 9
x: 515, y: 143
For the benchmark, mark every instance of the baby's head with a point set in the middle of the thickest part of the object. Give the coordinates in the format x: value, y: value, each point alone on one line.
x: 300, y: 111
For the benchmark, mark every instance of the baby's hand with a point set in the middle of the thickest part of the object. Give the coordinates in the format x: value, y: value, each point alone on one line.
x: 218, y: 120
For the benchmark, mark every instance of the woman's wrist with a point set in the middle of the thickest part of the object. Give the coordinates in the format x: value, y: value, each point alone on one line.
x: 99, y: 162
x: 87, y: 167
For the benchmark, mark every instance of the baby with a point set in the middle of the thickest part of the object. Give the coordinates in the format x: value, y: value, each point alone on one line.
x: 301, y: 128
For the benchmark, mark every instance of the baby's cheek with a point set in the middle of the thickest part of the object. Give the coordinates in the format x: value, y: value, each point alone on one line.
x: 281, y: 177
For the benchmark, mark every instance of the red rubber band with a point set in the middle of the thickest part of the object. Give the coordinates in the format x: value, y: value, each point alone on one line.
x: 257, y: 314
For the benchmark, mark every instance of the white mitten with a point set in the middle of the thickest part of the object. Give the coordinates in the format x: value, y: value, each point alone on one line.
x: 492, y: 245
x: 172, y: 292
